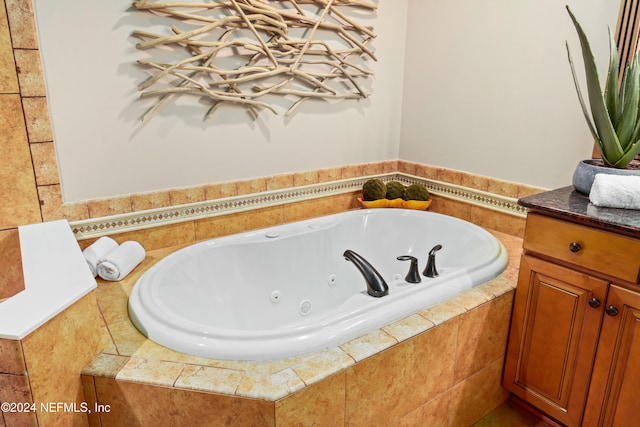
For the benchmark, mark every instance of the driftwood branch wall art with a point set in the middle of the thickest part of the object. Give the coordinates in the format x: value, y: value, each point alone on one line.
x: 257, y: 53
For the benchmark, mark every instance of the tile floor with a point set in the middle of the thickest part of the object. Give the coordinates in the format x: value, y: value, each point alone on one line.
x: 510, y: 414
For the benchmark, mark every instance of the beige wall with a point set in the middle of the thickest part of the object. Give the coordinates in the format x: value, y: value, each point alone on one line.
x: 491, y: 92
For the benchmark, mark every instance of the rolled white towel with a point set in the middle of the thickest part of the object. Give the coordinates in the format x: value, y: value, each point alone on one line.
x: 118, y: 263
x: 97, y: 250
x: 616, y: 191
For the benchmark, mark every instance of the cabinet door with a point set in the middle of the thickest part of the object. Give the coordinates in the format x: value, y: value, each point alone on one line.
x: 613, y: 395
x: 552, y: 342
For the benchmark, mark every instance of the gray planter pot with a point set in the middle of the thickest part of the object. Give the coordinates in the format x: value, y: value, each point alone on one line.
x: 586, y: 172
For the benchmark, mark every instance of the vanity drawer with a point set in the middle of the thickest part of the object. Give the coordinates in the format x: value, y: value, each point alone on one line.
x: 597, y: 250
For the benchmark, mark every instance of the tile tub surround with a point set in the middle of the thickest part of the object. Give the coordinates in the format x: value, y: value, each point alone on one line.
x: 443, y: 363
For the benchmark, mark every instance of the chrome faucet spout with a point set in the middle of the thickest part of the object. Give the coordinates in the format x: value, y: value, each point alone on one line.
x: 376, y: 286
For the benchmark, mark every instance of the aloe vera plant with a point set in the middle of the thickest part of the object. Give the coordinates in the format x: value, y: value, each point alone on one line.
x: 615, y: 116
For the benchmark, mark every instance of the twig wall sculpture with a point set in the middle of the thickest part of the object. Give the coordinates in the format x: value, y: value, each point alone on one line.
x: 245, y: 52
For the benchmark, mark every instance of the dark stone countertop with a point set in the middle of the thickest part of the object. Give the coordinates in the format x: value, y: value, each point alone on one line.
x: 566, y: 203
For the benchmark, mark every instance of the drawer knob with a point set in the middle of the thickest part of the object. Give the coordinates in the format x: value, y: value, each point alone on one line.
x: 575, y: 247
x: 612, y: 310
x: 594, y: 302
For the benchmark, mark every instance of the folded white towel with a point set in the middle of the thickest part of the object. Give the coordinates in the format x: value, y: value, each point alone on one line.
x: 616, y: 191
x: 97, y: 250
x: 121, y: 261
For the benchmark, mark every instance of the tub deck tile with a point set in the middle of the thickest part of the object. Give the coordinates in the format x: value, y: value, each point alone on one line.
x: 408, y: 327
x: 207, y: 378
x: 267, y: 386
x: 442, y: 312
x: 472, y: 298
x: 105, y: 365
x: 150, y: 371
x: 498, y: 286
x: 367, y: 345
x: 323, y: 364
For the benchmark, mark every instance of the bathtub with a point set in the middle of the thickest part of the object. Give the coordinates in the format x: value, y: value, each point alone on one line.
x: 288, y: 290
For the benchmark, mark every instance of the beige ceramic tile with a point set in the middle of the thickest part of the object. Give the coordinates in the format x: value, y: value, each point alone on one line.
x: 442, y: 312
x: 368, y: 345
x: 250, y: 186
x: 126, y: 337
x: 322, y: 364
x: 319, y: 405
x: 12, y: 278
x: 405, y: 166
x: 478, y: 182
x: 105, y: 365
x: 15, y: 389
x: 134, y: 404
x: 372, y: 168
x: 220, y: 190
x: 89, y: 388
x: 351, y: 171
x: 329, y: 174
x: 11, y: 358
x: 504, y: 188
x: 23, y: 28
x: 427, y: 171
x: 408, y: 327
x: 20, y: 205
x: 212, y: 379
x: 161, y: 237
x: 36, y: 112
x: 217, y: 226
x: 111, y: 206
x: 306, y: 178
x: 258, y: 385
x: 50, y: 198
x: 433, y: 413
x: 150, y: 371
x: 71, y: 211
x: 279, y: 182
x: 498, y: 221
x: 472, y: 298
x: 528, y: 190
x: 451, y: 176
x: 498, y: 286
x: 8, y: 76
x: 482, y: 336
x: 30, y: 75
x: 70, y: 342
x: 183, y: 196
x: 477, y: 395
x: 385, y: 378
x: 320, y: 207
x: 390, y: 166
x: 44, y: 163
x: 112, y: 300
x: 153, y: 200
x: 451, y: 207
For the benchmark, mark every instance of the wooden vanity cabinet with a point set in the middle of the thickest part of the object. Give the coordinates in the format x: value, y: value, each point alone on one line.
x: 573, y: 337
x: 613, y: 394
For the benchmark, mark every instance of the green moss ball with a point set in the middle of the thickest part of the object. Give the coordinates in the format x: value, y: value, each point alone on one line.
x: 374, y: 189
x: 416, y: 192
x: 395, y: 190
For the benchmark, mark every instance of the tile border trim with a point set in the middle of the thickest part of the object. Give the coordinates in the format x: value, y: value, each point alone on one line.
x: 97, y: 227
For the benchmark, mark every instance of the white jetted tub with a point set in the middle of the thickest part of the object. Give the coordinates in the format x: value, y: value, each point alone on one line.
x: 289, y: 290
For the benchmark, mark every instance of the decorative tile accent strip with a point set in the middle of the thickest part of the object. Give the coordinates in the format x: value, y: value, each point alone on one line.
x: 97, y: 227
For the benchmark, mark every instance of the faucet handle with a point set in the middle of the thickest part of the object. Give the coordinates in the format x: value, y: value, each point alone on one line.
x: 430, y: 270
x: 413, y: 276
